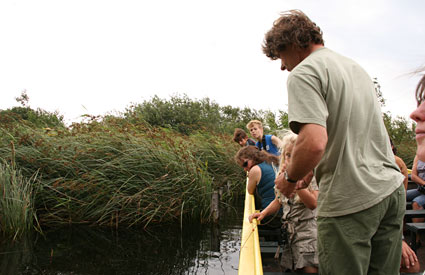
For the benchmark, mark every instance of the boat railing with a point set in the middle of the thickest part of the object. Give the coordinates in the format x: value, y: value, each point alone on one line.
x: 250, y: 252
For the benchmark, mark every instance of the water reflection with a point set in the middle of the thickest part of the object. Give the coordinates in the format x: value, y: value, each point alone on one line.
x: 196, y: 249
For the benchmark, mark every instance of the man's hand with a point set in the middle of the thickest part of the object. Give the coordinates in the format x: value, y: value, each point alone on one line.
x: 286, y: 188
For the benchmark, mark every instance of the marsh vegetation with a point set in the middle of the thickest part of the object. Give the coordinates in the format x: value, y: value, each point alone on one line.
x: 157, y: 162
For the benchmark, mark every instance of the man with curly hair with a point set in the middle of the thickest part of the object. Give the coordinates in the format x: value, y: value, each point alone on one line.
x: 333, y: 108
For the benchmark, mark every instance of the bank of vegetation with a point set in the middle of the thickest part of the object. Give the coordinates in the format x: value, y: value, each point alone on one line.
x: 157, y: 162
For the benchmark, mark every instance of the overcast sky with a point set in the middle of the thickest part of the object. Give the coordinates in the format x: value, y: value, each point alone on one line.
x: 99, y: 56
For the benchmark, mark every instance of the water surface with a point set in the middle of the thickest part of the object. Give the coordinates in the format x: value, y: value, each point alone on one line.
x: 194, y: 249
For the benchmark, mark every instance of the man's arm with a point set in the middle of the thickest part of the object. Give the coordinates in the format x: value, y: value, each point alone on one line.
x: 308, y: 150
x: 307, y: 153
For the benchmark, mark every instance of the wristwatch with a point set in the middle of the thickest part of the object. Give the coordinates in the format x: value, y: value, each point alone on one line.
x: 285, y: 175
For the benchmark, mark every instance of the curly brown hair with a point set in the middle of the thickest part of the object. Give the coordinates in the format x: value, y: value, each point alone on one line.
x: 294, y: 28
x: 253, y: 153
x: 420, y: 91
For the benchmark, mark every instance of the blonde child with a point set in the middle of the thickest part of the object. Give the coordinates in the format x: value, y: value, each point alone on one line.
x: 269, y: 143
x: 298, y: 220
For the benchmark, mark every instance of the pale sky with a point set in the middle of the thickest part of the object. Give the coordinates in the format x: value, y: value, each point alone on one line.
x: 99, y: 56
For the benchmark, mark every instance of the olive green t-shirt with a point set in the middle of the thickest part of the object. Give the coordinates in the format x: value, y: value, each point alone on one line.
x: 357, y: 169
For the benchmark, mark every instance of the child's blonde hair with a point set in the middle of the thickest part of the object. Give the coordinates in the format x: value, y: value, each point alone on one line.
x: 252, y: 122
x: 288, y: 138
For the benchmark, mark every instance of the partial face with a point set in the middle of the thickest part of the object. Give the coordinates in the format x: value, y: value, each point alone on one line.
x: 242, y: 142
x: 247, y: 164
x: 256, y: 132
x: 290, y: 58
x: 288, y: 153
x: 418, y: 116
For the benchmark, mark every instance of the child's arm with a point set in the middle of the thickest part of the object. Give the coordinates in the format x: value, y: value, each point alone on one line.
x: 308, y: 197
x: 272, y: 208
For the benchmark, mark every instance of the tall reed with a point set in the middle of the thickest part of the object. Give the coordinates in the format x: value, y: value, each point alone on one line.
x: 17, y: 213
x: 117, y: 173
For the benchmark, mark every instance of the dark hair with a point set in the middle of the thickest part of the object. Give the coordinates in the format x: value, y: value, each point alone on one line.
x: 393, y: 147
x: 294, y: 28
x: 253, y: 153
x: 239, y: 135
x: 420, y: 91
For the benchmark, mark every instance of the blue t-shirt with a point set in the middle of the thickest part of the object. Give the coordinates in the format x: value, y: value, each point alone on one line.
x: 265, y: 187
x: 270, y: 147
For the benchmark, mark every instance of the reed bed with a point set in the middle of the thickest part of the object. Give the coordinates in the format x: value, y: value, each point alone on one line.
x: 16, y: 201
x: 114, y: 173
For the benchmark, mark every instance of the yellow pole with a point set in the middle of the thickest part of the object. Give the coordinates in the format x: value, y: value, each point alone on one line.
x: 250, y: 253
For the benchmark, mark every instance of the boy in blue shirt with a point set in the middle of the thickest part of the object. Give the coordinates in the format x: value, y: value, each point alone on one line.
x: 269, y: 143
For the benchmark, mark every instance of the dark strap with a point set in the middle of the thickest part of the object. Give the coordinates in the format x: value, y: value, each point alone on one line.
x: 263, y: 144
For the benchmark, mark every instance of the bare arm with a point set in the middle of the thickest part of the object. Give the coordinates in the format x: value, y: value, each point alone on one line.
x: 254, y: 177
x: 308, y: 197
x: 403, y: 170
x: 308, y: 151
x: 272, y: 208
x: 415, y: 176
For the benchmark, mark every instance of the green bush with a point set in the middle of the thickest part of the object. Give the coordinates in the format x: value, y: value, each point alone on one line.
x: 185, y: 115
x: 402, y: 133
x: 37, y: 118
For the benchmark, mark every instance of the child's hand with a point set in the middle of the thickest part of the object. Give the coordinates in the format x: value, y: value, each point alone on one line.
x: 256, y: 215
x: 301, y: 184
x: 308, y: 177
x: 305, y: 182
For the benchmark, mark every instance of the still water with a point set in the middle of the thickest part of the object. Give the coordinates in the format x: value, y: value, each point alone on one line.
x: 194, y: 249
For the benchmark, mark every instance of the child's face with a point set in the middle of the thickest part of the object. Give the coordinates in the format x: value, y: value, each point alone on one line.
x: 288, y: 153
x: 256, y: 131
x: 242, y: 142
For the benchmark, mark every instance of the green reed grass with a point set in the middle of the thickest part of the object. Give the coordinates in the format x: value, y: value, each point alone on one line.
x: 123, y: 174
x: 17, y: 213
